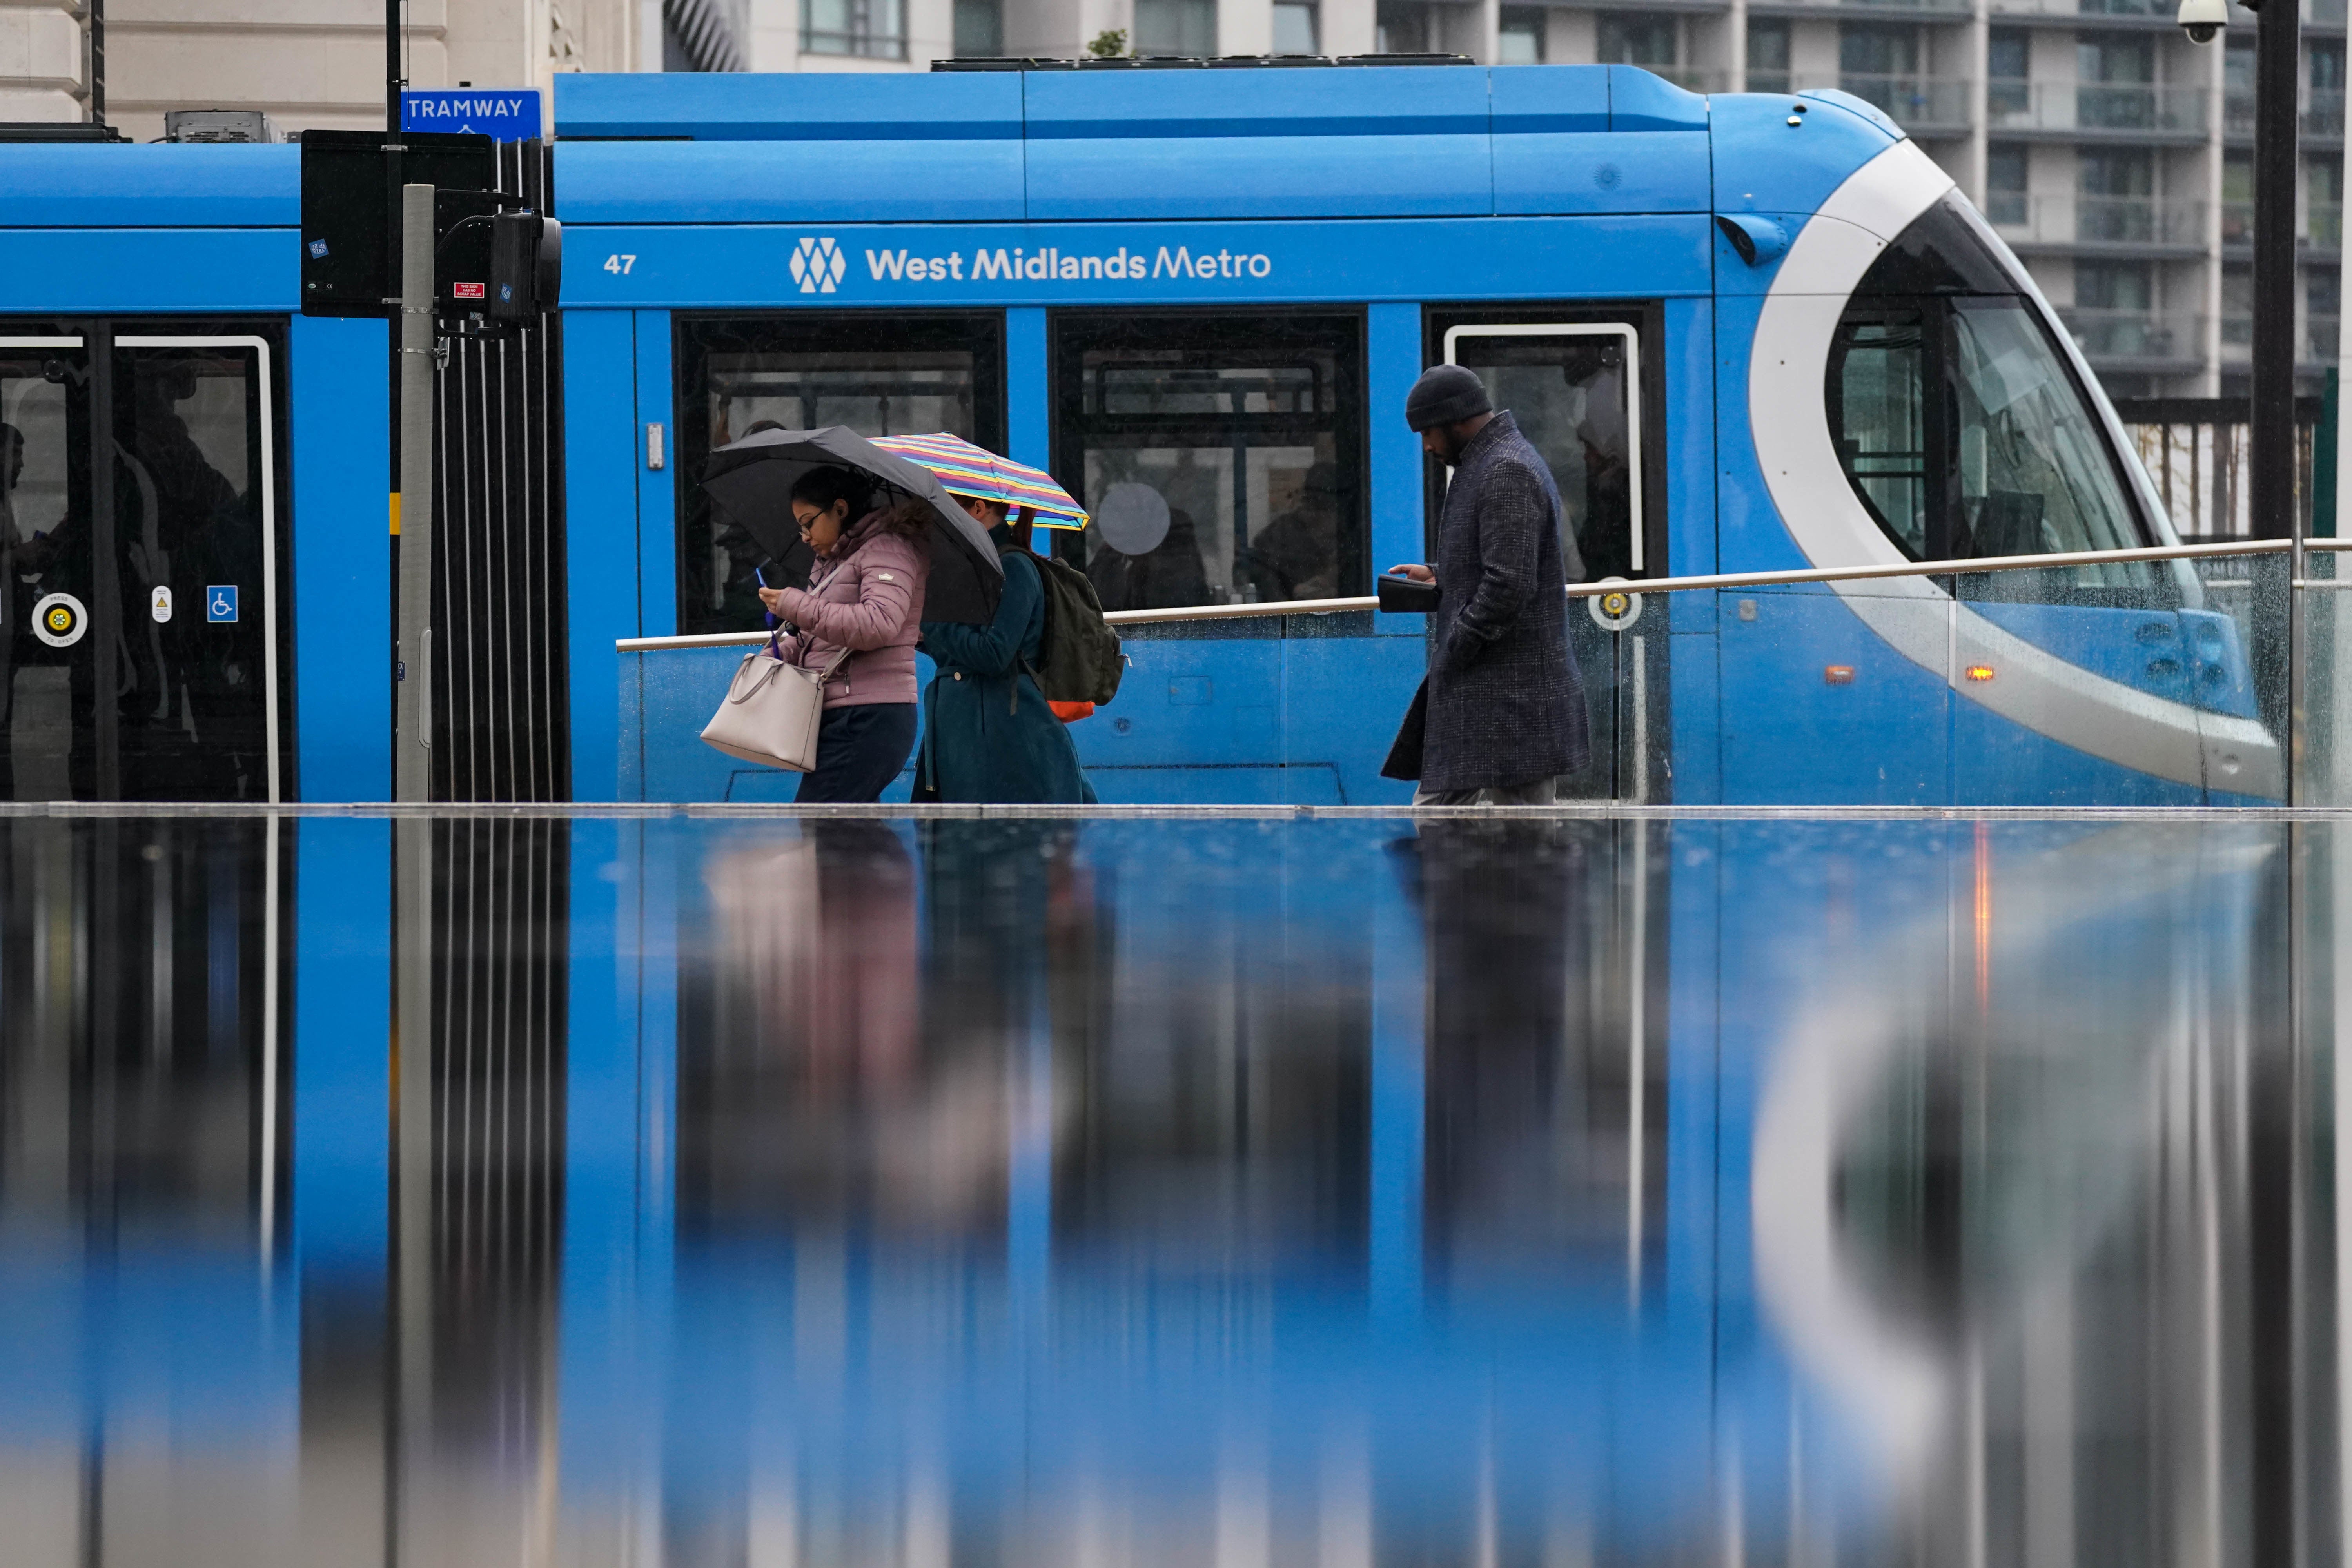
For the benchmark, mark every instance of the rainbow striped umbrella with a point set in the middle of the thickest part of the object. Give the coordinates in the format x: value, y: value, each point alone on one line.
x: 972, y: 470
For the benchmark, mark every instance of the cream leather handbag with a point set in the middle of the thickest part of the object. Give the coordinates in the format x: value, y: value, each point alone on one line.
x: 772, y: 710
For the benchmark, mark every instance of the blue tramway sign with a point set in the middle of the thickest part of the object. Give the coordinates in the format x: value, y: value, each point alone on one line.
x: 501, y: 113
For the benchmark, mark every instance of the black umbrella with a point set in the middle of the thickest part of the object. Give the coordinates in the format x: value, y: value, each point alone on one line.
x: 751, y: 481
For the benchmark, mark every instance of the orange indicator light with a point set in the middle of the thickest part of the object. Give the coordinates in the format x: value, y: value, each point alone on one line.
x: 1838, y: 674
x: 1980, y: 672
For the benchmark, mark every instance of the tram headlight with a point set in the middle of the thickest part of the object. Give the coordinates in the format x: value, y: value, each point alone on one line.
x: 2203, y: 20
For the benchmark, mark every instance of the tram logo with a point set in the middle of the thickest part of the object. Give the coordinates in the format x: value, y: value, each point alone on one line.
x: 817, y: 264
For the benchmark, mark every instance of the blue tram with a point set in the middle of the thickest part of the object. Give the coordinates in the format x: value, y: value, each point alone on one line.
x: 1749, y: 333
x: 206, y: 616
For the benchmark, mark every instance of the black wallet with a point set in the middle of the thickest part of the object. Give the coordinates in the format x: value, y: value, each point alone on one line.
x: 1402, y: 595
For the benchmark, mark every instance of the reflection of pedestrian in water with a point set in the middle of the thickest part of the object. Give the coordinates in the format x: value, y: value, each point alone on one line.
x: 1502, y: 906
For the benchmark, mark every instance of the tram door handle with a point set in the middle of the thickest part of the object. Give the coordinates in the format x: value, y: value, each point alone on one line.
x: 654, y: 456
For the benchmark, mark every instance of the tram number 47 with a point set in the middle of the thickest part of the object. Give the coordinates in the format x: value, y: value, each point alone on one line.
x: 620, y: 264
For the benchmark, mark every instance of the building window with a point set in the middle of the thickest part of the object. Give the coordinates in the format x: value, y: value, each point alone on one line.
x: 2117, y: 74
x: 873, y: 28
x: 980, y: 28
x: 2323, y: 216
x: 1221, y: 455
x: 879, y: 375
x: 2008, y: 54
x: 2237, y: 305
x: 1648, y: 41
x: 1404, y: 28
x: 2114, y: 286
x: 2237, y: 198
x: 1768, y: 53
x: 2323, y: 113
x: 2115, y: 189
x: 1869, y: 50
x: 1182, y: 27
x: 2005, y: 184
x: 1519, y: 39
x: 1294, y: 29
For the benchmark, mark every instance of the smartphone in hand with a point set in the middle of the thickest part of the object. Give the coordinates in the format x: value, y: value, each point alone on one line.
x: 760, y: 574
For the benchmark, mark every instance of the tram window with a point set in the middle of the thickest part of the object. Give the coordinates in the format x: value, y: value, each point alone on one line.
x: 1959, y: 423
x: 1221, y: 456
x: 1573, y: 391
x: 1878, y: 419
x: 2034, y: 478
x: 895, y: 375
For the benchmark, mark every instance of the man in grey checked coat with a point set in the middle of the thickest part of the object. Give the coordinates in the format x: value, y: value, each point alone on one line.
x: 1501, y: 712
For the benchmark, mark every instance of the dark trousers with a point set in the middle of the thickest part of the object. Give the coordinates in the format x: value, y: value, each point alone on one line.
x: 859, y: 749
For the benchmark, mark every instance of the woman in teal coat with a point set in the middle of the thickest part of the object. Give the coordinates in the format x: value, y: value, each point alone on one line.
x: 988, y: 735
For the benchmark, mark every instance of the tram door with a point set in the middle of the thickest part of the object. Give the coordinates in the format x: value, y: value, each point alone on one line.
x: 138, y: 656
x: 1575, y: 390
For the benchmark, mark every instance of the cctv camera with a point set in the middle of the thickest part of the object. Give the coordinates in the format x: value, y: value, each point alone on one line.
x: 2203, y: 20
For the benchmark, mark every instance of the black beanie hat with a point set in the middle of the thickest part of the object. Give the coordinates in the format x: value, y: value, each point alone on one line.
x: 1446, y: 394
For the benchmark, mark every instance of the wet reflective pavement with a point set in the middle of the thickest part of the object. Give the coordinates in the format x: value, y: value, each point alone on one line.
x: 1222, y: 1191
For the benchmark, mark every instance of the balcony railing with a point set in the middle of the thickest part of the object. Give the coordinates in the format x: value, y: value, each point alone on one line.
x: 2159, y: 8
x: 2323, y: 225
x: 2318, y: 110
x: 1916, y: 102
x: 2127, y: 335
x: 2125, y: 108
x: 2097, y: 220
x: 1692, y: 79
x: 2318, y: 13
x: 1953, y: 9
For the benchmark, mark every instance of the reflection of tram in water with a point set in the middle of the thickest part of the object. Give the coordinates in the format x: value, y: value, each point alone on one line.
x: 1470, y: 1199
x: 1749, y: 333
x: 1076, y: 1192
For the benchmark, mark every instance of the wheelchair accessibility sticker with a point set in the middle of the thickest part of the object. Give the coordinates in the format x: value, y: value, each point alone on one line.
x: 59, y: 620
x: 220, y: 603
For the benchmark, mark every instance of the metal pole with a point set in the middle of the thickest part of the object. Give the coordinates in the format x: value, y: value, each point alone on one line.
x: 413, y: 739
x: 105, y: 607
x: 97, y: 62
x: 2277, y: 69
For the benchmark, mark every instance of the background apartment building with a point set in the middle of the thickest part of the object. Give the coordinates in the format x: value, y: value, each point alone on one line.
x: 2115, y: 156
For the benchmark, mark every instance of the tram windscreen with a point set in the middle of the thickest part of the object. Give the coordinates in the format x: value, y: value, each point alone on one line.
x: 2035, y: 477
x: 1960, y: 424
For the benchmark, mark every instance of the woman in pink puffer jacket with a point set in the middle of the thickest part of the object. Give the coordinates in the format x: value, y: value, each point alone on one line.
x: 864, y: 594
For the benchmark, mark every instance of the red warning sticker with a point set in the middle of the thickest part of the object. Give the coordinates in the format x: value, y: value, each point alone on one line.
x: 465, y: 291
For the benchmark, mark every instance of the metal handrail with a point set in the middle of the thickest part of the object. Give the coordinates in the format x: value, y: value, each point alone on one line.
x: 1962, y: 568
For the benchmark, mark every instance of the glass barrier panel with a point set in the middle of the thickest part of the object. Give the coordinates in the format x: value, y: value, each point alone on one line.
x: 1835, y: 694
x: 2122, y: 683
x: 2325, y: 765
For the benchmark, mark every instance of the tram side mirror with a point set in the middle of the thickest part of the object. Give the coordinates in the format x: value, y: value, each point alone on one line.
x: 1757, y: 239
x: 2203, y: 20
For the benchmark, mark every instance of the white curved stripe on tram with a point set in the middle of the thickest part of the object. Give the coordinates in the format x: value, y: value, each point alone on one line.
x: 1789, y: 414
